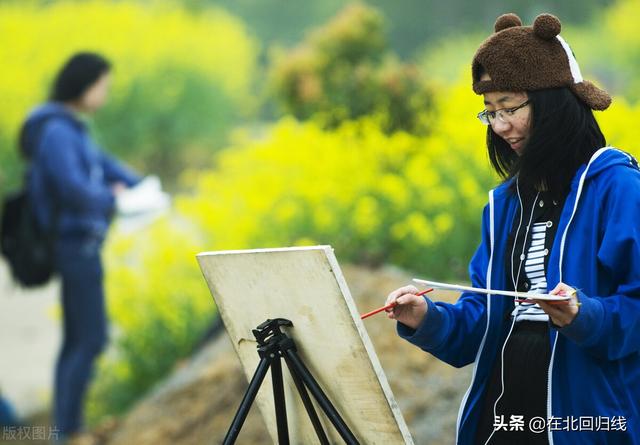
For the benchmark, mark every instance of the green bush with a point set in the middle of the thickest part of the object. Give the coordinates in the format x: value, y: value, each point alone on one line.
x: 343, y: 71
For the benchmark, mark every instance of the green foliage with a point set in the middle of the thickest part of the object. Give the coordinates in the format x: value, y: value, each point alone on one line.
x: 180, y: 79
x: 343, y: 72
x: 414, y: 23
x: 447, y: 61
x: 171, y: 130
x: 277, y: 22
x: 411, y: 23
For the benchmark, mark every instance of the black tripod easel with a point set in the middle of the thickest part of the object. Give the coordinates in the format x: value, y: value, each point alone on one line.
x: 273, y: 344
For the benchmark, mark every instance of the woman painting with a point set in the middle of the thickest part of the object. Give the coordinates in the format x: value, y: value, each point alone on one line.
x: 564, y: 221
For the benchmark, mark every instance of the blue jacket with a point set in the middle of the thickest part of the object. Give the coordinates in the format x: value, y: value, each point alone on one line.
x: 595, y: 361
x: 68, y: 172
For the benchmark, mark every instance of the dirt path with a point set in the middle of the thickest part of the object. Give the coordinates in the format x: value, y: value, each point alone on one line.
x: 29, y: 342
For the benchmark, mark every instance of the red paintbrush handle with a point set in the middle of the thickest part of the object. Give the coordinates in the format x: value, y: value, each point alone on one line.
x: 388, y: 306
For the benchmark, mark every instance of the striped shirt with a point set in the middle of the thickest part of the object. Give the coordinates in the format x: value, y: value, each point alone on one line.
x: 532, y: 250
x: 534, y: 268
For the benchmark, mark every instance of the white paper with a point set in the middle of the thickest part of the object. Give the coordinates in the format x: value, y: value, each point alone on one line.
x: 146, y: 197
x: 141, y: 205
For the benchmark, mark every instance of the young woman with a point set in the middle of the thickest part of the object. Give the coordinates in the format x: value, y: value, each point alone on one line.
x: 72, y: 185
x: 564, y: 221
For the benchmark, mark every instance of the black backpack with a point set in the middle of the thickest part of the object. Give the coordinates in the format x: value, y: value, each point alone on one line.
x: 27, y: 247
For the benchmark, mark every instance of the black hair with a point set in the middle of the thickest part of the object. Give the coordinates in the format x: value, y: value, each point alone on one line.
x: 564, y: 135
x: 76, y: 76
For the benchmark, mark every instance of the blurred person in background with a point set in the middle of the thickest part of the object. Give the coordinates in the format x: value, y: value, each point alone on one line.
x: 565, y: 222
x: 8, y: 416
x: 73, y: 184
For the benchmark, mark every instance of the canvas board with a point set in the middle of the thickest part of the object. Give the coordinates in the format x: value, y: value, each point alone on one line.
x: 306, y: 286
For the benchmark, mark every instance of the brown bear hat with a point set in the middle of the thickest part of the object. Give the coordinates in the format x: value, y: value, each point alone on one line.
x: 526, y: 58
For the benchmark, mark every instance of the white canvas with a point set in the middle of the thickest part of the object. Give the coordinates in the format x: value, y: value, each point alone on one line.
x: 306, y: 286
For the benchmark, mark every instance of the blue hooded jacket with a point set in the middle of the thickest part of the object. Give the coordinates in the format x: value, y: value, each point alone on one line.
x: 69, y: 174
x: 594, y: 371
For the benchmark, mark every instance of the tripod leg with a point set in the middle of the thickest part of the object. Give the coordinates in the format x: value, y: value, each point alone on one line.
x: 247, y: 400
x: 306, y: 400
x: 321, y: 397
x: 279, y: 401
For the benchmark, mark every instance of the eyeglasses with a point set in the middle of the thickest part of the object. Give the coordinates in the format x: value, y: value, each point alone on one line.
x: 504, y: 114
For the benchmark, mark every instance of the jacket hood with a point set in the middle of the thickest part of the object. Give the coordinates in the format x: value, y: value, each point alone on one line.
x: 29, y: 134
x: 603, y: 160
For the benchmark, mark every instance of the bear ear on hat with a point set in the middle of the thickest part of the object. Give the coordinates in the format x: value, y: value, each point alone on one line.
x: 505, y: 21
x: 547, y: 26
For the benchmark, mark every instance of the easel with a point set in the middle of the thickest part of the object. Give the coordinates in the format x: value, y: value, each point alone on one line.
x: 273, y: 344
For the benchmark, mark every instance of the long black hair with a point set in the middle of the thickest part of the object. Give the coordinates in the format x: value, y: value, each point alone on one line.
x: 564, y: 135
x: 76, y: 76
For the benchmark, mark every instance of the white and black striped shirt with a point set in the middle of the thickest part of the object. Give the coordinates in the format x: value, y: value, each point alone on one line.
x: 531, y: 251
x: 534, y: 268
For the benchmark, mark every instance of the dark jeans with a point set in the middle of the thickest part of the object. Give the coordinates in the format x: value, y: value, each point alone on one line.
x: 85, y: 327
x: 526, y: 360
